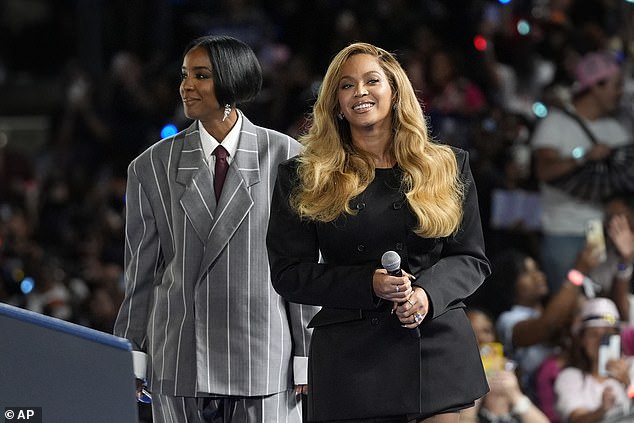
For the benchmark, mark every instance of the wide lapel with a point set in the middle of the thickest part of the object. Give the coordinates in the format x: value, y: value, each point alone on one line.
x: 236, y: 200
x: 198, y: 200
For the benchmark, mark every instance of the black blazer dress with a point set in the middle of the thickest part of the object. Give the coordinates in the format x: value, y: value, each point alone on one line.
x: 362, y: 363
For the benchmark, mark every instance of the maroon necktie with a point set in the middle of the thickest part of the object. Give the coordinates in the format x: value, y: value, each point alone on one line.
x: 220, y: 170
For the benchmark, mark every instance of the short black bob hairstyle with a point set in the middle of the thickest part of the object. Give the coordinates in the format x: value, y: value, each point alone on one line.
x: 235, y: 68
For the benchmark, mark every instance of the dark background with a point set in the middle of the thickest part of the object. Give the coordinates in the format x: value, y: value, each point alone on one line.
x: 86, y: 85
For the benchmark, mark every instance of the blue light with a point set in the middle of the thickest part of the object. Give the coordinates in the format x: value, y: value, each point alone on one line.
x: 27, y: 285
x: 168, y: 130
x: 523, y: 27
x: 540, y: 110
x: 578, y: 152
x: 504, y: 1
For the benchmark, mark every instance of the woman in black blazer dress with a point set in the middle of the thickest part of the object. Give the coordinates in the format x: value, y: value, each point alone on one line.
x: 384, y: 348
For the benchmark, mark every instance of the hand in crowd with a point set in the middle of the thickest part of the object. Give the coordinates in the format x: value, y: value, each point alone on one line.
x: 598, y: 152
x: 587, y: 259
x: 619, y: 369
x: 607, y: 399
x: 505, y: 386
x: 504, y: 383
x: 622, y: 236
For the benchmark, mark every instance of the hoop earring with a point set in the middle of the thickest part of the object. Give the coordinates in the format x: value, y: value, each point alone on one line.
x: 227, y: 112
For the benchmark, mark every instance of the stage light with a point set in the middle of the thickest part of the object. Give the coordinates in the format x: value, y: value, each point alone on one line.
x: 504, y: 1
x: 27, y: 285
x: 540, y: 110
x: 480, y: 43
x: 169, y: 130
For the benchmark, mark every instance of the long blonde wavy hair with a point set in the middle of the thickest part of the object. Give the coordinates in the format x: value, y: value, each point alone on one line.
x: 332, y: 171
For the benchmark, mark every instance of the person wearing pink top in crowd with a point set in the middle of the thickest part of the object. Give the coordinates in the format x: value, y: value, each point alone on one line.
x: 584, y: 393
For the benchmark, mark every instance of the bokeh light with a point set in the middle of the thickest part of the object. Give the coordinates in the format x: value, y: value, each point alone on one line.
x: 523, y: 27
x: 540, y: 110
x: 480, y: 43
x: 169, y: 130
x: 27, y: 285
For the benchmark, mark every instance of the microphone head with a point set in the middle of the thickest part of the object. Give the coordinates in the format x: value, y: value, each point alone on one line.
x: 391, y: 261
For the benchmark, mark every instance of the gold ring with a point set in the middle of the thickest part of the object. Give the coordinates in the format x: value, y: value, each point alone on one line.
x: 411, y: 303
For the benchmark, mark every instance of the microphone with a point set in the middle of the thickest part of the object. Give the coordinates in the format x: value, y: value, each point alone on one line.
x: 391, y: 261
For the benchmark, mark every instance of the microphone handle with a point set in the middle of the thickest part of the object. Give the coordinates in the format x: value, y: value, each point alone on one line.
x: 416, y: 331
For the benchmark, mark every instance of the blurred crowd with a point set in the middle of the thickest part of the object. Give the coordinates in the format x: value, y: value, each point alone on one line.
x: 486, y: 72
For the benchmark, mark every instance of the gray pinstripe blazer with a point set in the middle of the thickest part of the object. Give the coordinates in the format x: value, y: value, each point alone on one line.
x: 198, y: 298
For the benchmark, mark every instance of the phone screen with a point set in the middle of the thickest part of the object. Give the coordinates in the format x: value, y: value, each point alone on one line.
x: 492, y: 354
x: 596, y: 238
x: 609, y: 349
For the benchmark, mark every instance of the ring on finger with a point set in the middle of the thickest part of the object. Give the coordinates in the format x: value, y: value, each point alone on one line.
x: 397, y: 288
x: 410, y: 303
x: 418, y: 317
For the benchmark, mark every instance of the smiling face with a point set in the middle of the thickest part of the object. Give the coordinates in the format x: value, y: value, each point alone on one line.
x: 364, y: 94
x: 197, y: 87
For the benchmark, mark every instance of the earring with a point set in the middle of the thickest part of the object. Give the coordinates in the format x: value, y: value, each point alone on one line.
x: 227, y: 111
x: 340, y: 115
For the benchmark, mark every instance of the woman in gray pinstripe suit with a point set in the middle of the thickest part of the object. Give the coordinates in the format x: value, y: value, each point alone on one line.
x: 220, y: 343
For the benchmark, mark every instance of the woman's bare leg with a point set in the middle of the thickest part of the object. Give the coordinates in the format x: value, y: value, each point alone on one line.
x: 440, y: 418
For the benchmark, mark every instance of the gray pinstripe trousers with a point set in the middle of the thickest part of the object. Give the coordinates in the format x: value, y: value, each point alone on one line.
x: 284, y: 407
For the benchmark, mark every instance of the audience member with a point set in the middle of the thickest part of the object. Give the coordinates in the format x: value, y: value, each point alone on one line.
x: 614, y: 274
x: 452, y: 101
x: 561, y: 146
x: 532, y: 328
x: 508, y: 192
x: 545, y: 378
x: 505, y: 402
x: 585, y: 393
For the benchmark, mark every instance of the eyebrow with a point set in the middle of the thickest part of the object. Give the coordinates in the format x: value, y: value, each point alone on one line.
x: 197, y: 68
x: 373, y: 72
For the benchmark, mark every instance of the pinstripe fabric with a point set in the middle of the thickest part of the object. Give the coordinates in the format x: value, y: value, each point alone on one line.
x: 198, y: 295
x: 283, y: 408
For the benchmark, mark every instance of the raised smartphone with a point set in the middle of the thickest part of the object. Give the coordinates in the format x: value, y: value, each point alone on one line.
x: 492, y: 354
x: 609, y: 349
x: 596, y: 238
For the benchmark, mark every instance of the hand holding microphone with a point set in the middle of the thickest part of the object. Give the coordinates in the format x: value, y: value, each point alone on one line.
x: 412, y: 307
x: 391, y: 283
